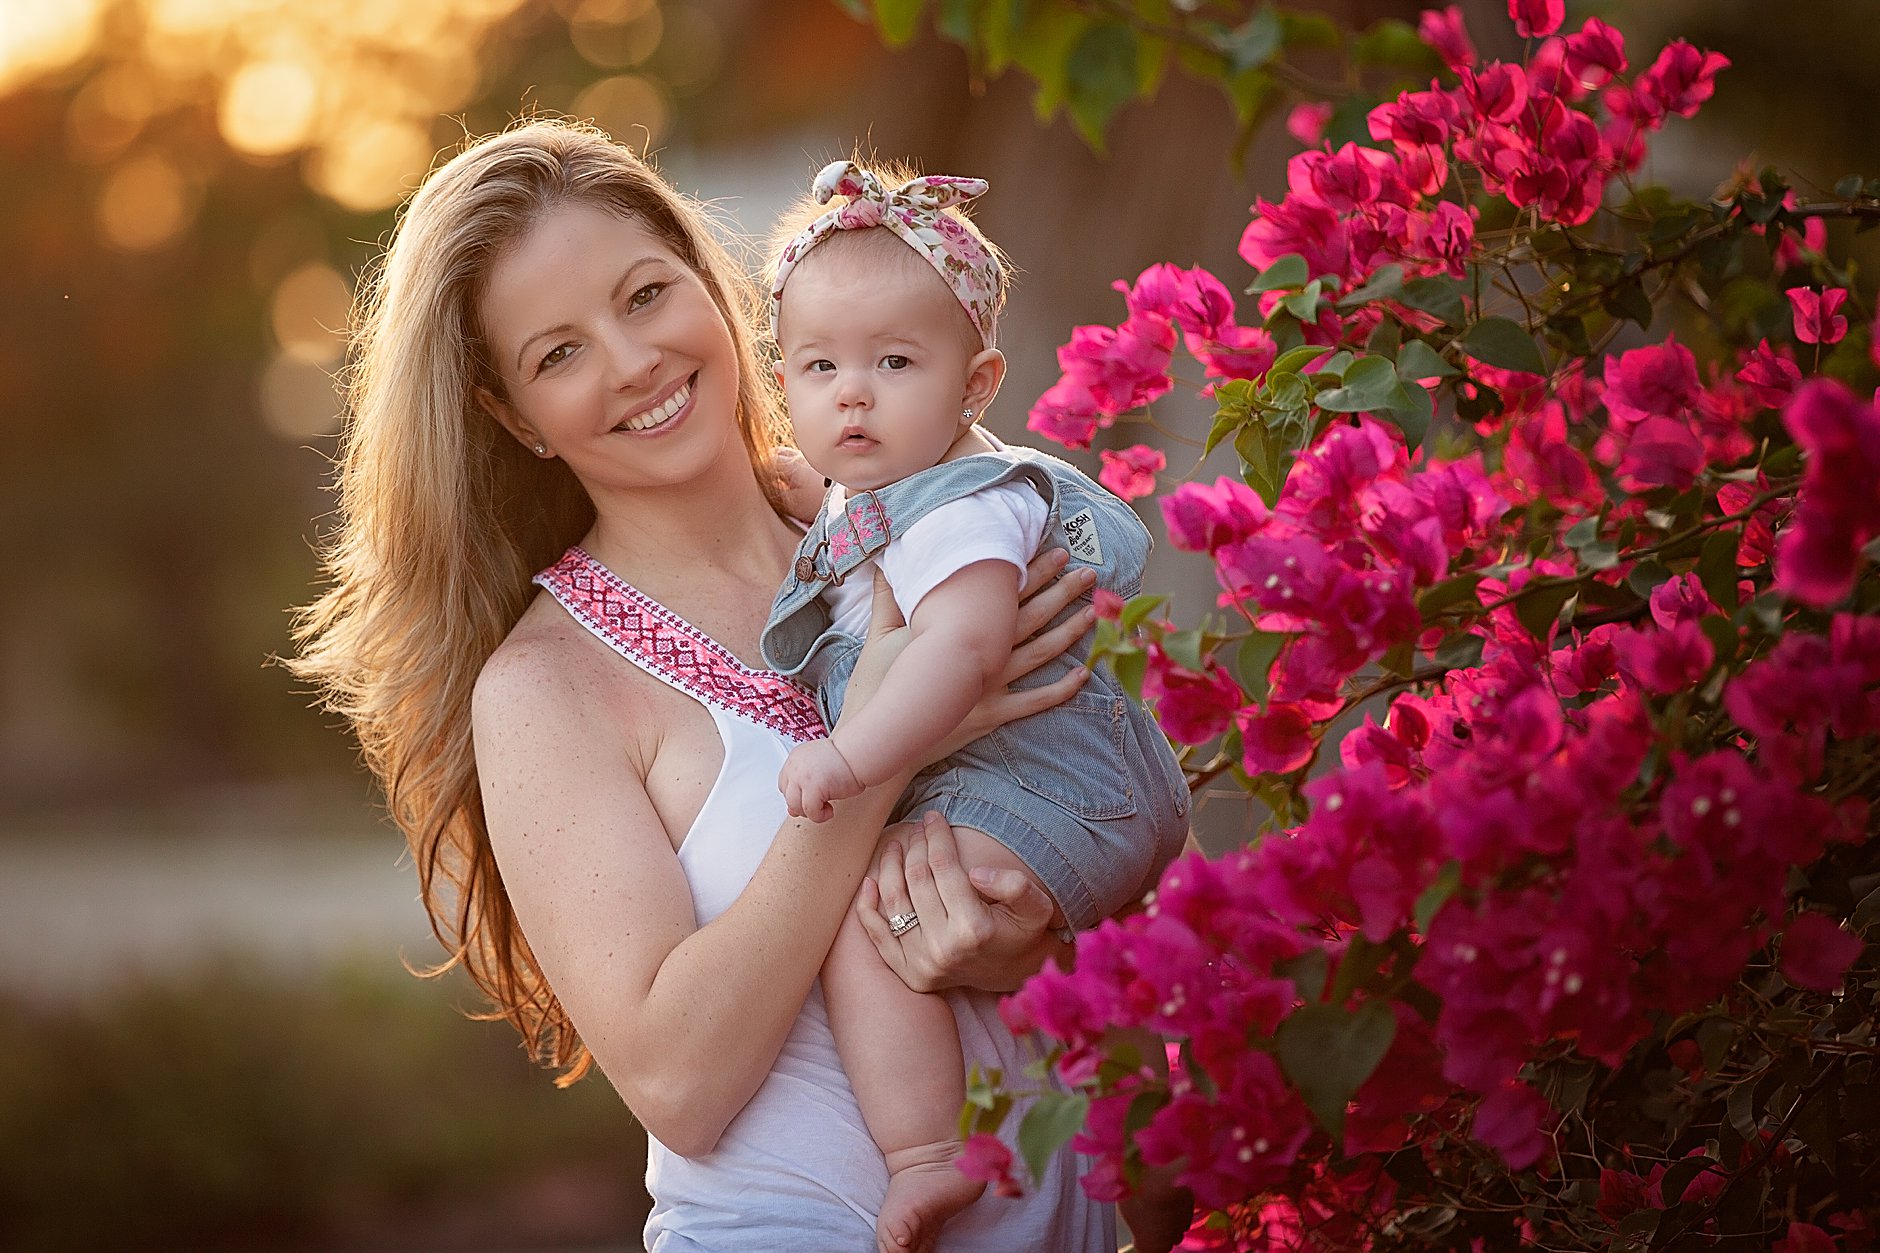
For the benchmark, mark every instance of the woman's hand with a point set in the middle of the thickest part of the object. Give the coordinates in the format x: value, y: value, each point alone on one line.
x: 802, y: 488
x: 1045, y: 596
x: 989, y: 930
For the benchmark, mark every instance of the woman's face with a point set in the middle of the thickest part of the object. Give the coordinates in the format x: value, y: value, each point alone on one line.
x: 612, y: 353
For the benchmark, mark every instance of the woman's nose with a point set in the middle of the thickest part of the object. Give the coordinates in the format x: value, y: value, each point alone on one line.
x: 631, y: 361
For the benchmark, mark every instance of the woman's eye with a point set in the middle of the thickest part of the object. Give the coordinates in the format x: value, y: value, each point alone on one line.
x: 894, y: 361
x: 645, y: 296
x: 556, y: 355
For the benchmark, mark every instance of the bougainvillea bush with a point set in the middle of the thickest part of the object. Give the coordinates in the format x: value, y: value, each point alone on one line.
x: 1548, y: 633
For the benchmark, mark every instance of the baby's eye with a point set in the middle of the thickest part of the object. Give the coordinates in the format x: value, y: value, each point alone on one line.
x: 894, y: 361
x: 645, y: 296
x: 821, y: 365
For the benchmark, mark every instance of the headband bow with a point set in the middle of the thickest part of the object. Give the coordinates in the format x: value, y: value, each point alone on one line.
x: 916, y: 212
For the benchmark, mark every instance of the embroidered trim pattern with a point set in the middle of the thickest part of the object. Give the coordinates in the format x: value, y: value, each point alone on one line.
x: 644, y: 631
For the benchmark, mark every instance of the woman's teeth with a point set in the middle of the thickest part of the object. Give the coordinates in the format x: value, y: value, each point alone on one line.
x: 660, y: 414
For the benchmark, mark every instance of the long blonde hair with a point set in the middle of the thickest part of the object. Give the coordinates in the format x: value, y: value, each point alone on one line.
x: 444, y: 516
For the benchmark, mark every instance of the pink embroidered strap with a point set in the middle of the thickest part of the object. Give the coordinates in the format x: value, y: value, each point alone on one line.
x: 647, y: 633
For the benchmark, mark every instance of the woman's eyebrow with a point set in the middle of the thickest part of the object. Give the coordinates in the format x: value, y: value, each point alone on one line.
x: 626, y: 276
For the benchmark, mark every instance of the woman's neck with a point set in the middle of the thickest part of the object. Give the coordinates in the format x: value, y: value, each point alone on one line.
x: 664, y: 540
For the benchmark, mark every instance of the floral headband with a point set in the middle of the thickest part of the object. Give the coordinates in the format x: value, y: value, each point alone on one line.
x: 914, y: 212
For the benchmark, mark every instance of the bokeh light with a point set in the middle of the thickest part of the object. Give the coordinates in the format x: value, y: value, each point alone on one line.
x: 625, y: 106
x: 269, y: 107
x: 299, y: 399
x: 612, y: 43
x: 43, y: 36
x: 309, y: 314
x: 146, y: 203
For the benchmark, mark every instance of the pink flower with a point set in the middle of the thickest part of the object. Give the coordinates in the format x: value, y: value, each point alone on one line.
x: 1661, y: 452
x: 1123, y: 367
x: 1679, y: 599
x: 1838, y: 508
x: 1107, y: 604
x: 1306, y: 122
x: 1663, y: 661
x: 1681, y: 79
x: 1595, y: 54
x: 1193, y: 299
x: 985, y: 1157
x: 1537, y: 19
x: 1509, y: 1120
x: 1276, y: 741
x: 1192, y: 707
x: 1202, y: 518
x: 1818, y: 318
x: 1804, y: 1238
x: 1131, y: 472
x: 1235, y: 352
x: 1770, y: 375
x: 1816, y: 952
x: 1067, y: 414
x: 1443, y: 31
x: 1657, y: 381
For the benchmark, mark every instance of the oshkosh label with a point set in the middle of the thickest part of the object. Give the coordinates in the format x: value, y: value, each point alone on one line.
x: 1080, y: 532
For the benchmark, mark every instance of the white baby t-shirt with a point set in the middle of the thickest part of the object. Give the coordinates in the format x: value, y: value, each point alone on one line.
x: 1003, y: 523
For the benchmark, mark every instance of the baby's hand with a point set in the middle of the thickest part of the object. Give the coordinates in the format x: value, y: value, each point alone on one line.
x: 815, y: 774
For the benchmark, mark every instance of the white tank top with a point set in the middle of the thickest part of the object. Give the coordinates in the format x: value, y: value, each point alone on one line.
x: 796, y: 1168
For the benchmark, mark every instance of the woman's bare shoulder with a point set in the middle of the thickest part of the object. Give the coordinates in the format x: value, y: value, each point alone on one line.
x: 550, y: 666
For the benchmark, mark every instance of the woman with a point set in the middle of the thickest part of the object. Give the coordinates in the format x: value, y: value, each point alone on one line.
x: 555, y: 350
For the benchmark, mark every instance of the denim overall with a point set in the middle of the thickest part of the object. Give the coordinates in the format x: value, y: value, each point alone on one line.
x: 1087, y: 794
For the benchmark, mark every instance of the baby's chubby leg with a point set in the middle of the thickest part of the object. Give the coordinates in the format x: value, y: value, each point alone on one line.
x: 901, y: 1050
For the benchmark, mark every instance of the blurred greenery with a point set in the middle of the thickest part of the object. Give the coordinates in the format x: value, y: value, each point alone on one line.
x: 232, y: 1111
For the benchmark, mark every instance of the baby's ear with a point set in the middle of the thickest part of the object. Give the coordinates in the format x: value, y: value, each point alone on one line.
x: 776, y: 369
x: 984, y: 373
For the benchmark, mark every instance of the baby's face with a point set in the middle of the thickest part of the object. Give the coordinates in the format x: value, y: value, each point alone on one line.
x: 874, y: 365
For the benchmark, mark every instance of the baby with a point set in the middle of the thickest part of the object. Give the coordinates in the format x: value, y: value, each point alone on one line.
x: 885, y: 310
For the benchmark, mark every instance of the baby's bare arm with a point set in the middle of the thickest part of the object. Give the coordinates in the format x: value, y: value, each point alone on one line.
x: 962, y: 636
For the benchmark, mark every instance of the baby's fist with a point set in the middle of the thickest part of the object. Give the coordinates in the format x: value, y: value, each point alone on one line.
x: 815, y: 774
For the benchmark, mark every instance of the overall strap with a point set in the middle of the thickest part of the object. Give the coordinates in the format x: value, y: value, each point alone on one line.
x: 674, y: 651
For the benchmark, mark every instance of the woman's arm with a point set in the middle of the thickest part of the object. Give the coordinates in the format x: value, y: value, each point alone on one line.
x: 685, y: 1020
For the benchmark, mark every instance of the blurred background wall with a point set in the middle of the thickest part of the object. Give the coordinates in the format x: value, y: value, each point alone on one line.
x: 206, y: 1039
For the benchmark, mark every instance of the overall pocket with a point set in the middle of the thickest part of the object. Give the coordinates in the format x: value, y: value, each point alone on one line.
x: 1074, y: 755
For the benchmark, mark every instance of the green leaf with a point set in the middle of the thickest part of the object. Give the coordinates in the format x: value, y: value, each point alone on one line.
x: 1582, y: 533
x: 1716, y: 569
x: 1137, y: 608
x: 1184, y: 649
x: 1385, y: 284
x: 1629, y: 302
x: 1255, y: 42
x: 1287, y: 272
x: 898, y: 20
x: 1128, y: 665
x: 1394, y: 43
x: 1307, y: 972
x: 1410, y: 408
x: 1646, y: 575
x: 1042, y: 48
x: 1681, y: 1175
x: 1417, y: 360
x: 1599, y: 555
x: 1539, y: 610
x: 1254, y: 659
x: 1296, y: 359
x: 1440, y: 297
x: 1722, y: 634
x: 1369, y: 383
x: 1100, y: 78
x: 1328, y: 1052
x: 1309, y: 30
x: 1449, y: 592
x: 1505, y: 343
x: 1304, y: 303
x: 1385, y: 338
x: 1431, y: 900
x: 1048, y: 1126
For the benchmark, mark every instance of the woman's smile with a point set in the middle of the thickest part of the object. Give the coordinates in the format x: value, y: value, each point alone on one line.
x: 667, y: 414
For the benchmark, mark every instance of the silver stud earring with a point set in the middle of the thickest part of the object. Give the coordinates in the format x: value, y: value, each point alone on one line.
x: 967, y: 414
x: 541, y: 450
